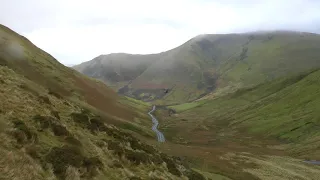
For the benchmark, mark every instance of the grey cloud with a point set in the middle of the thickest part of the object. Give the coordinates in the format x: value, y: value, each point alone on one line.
x: 178, y: 20
x: 128, y: 21
x: 25, y: 16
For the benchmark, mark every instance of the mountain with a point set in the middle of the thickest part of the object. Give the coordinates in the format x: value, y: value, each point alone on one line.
x: 56, y: 123
x: 216, y: 63
x: 263, y: 131
x: 286, y: 108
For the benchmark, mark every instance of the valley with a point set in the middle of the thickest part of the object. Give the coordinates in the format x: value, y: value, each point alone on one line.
x: 239, y: 106
x: 266, y: 131
x: 224, y: 106
x: 58, y: 124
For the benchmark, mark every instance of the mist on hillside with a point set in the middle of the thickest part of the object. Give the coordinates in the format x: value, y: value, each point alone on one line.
x: 75, y: 32
x: 150, y: 90
x: 11, y: 47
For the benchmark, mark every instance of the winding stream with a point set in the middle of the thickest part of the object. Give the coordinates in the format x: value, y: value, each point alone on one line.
x: 155, y: 122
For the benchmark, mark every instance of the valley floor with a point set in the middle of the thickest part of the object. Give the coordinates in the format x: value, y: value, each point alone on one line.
x: 232, y: 155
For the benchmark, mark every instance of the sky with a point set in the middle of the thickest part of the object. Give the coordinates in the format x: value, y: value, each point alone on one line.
x: 74, y: 31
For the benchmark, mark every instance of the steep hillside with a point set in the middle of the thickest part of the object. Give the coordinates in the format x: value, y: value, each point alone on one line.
x: 116, y: 70
x: 287, y: 109
x: 220, y: 63
x: 256, y: 130
x: 58, y: 124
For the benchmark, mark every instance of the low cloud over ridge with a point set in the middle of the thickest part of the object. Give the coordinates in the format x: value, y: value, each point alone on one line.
x: 75, y: 31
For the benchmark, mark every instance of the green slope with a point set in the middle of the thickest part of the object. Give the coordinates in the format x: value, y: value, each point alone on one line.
x: 58, y: 124
x: 208, y: 63
x: 117, y: 69
x: 287, y: 109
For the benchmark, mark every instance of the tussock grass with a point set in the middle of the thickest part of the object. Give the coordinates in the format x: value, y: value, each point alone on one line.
x: 56, y: 138
x: 275, y: 167
x: 16, y: 164
x: 53, y: 121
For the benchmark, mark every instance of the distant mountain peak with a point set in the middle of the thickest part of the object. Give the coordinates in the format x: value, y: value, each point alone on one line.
x: 209, y: 63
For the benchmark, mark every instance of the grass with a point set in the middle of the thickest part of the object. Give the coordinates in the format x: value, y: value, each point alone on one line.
x: 275, y: 167
x: 41, y: 121
x: 286, y: 108
x: 53, y: 120
x: 279, y: 118
x: 212, y: 175
x: 59, y: 124
x: 211, y: 63
x: 186, y: 106
x: 137, y: 104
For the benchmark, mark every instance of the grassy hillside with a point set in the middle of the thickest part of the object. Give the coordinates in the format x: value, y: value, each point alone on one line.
x: 116, y: 70
x: 287, y: 109
x: 264, y: 131
x: 58, y: 124
x: 208, y: 63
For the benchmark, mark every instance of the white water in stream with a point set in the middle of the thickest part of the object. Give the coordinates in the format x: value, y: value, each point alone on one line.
x: 155, y: 122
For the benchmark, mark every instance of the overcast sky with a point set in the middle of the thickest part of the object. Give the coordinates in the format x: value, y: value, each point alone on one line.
x: 78, y: 30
